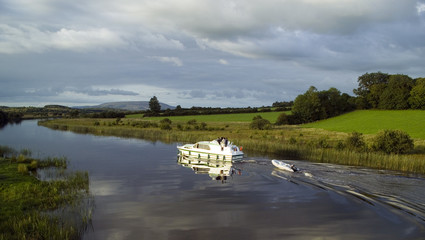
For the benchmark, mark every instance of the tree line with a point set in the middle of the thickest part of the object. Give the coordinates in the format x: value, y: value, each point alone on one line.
x: 393, y: 92
x: 375, y: 91
x: 155, y: 109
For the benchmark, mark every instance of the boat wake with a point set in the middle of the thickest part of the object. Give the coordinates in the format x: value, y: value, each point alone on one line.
x: 379, y: 189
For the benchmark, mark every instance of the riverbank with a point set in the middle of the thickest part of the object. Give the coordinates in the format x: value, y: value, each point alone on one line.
x: 57, y: 207
x: 287, y: 142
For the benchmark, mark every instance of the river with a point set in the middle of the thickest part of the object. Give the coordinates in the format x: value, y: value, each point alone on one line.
x: 143, y: 191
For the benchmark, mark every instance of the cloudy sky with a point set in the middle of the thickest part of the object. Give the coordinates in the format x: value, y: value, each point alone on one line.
x: 218, y: 53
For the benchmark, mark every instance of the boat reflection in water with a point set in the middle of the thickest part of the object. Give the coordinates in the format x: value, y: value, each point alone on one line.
x: 217, y: 170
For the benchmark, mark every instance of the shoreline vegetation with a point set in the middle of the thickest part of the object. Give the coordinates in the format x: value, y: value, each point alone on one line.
x: 285, y: 142
x: 40, y: 199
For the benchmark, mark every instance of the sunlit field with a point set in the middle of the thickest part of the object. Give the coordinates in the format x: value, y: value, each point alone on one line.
x: 373, y: 121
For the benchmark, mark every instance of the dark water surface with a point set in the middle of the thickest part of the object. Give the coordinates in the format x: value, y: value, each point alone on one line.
x: 142, y: 192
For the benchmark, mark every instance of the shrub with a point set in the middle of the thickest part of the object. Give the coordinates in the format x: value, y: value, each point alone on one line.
x: 191, y: 122
x: 22, y: 168
x: 165, y: 121
x: 33, y: 165
x: 323, y: 142
x: 355, y: 141
x: 259, y: 123
x: 203, y: 125
x: 21, y: 158
x: 340, y: 145
x: 282, y: 119
x: 393, y: 142
x: 165, y: 126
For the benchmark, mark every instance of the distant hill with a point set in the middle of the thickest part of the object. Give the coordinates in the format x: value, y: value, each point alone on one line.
x: 131, y: 106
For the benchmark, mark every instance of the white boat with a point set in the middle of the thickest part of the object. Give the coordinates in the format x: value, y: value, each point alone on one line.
x: 284, y: 166
x: 223, y: 151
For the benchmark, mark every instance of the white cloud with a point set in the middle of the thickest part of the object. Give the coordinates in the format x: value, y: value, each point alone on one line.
x: 159, y: 41
x: 27, y: 38
x: 174, y: 60
x: 223, y: 61
x: 70, y: 39
x: 420, y: 7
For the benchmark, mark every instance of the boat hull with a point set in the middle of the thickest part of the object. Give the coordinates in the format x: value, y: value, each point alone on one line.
x: 283, y: 166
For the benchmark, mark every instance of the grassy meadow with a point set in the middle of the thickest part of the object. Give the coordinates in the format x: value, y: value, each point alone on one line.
x: 319, y: 143
x: 373, y: 121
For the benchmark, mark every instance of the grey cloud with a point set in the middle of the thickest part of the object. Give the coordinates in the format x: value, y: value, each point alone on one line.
x: 49, y: 91
x: 225, y: 19
x: 96, y: 92
x: 219, y: 53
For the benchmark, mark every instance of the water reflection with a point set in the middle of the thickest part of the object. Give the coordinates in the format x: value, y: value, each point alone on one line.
x: 217, y: 170
x: 10, y: 122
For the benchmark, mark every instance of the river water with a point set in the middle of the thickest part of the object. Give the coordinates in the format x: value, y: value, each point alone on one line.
x: 143, y: 191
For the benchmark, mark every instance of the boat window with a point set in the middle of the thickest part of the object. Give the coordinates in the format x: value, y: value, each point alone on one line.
x: 204, y: 146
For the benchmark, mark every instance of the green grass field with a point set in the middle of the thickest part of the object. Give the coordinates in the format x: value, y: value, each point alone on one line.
x: 373, y: 121
x: 237, y: 117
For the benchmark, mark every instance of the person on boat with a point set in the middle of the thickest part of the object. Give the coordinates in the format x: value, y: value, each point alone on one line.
x: 223, y: 143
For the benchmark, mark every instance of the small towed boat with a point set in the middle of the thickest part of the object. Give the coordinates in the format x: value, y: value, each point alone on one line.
x: 219, y: 149
x: 284, y: 166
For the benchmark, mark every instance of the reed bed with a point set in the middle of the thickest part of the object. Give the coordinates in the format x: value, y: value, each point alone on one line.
x: 285, y: 142
x: 35, y: 209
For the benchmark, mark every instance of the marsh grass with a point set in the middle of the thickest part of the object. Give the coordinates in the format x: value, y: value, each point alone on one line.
x: 281, y: 141
x: 35, y: 209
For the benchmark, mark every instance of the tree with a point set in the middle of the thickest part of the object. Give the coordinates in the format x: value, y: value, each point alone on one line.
x: 417, y: 95
x: 307, y: 106
x: 313, y: 105
x: 397, y: 93
x: 366, y: 94
x: 154, y: 105
x: 332, y: 103
x: 374, y: 96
